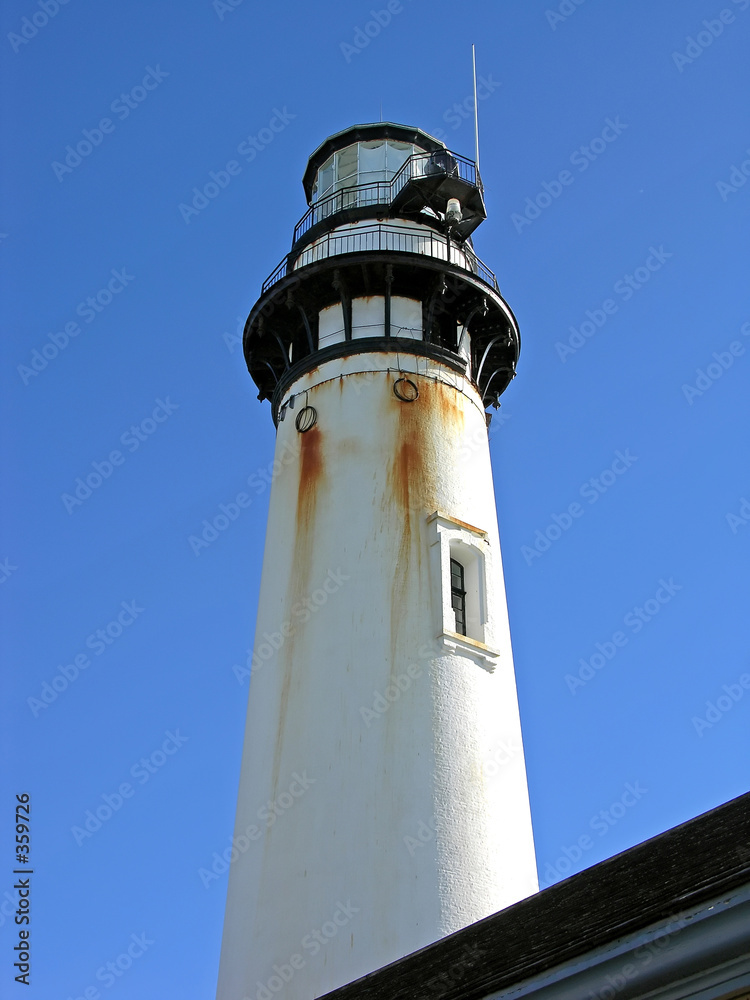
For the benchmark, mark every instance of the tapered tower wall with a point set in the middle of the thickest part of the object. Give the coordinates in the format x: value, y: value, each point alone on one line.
x: 383, y: 788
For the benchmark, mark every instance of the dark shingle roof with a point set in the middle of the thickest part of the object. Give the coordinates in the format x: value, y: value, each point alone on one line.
x: 683, y: 867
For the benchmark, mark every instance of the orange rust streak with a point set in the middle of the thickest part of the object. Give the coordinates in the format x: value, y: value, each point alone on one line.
x: 311, y: 471
x: 408, y: 490
x: 413, y: 477
x: 311, y: 475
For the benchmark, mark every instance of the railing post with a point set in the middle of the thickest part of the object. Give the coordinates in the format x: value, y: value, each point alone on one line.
x: 387, y: 299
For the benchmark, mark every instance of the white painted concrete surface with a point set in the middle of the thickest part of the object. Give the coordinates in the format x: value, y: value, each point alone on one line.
x: 383, y: 790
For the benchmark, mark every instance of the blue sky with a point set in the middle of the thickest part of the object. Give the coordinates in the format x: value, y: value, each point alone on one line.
x: 613, y: 139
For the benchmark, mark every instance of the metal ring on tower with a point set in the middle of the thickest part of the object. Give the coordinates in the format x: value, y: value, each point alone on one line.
x: 307, y: 418
x: 405, y: 390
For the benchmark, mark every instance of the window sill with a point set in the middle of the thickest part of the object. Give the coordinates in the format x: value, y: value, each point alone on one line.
x: 455, y: 643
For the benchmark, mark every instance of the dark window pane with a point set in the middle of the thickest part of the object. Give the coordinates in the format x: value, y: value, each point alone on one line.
x: 458, y: 596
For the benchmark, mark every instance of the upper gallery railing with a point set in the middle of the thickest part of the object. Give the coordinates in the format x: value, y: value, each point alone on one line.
x: 442, y: 161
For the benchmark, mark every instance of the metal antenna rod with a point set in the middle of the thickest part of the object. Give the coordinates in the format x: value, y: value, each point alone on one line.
x: 476, y: 112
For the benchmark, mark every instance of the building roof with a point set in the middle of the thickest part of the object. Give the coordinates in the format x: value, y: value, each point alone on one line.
x: 695, y: 876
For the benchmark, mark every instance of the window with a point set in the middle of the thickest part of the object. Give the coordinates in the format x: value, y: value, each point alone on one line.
x: 396, y: 156
x: 458, y: 595
x: 361, y: 163
x: 324, y: 181
x: 346, y: 167
x: 371, y: 162
x: 461, y: 563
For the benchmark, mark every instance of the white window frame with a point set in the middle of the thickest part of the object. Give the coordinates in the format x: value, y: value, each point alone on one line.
x: 452, y: 538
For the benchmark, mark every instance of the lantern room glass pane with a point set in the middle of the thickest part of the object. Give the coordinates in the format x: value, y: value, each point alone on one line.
x: 325, y: 179
x: 397, y: 153
x: 363, y: 163
x: 346, y: 167
x: 371, y: 162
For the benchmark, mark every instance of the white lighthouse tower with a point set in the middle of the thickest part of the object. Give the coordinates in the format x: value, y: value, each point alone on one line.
x: 383, y: 800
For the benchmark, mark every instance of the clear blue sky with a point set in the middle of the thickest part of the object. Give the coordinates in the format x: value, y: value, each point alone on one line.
x: 660, y: 196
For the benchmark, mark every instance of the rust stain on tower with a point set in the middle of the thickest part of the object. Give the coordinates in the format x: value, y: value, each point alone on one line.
x: 310, y: 483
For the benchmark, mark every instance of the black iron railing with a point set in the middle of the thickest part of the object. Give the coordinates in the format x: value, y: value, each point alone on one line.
x: 277, y: 275
x: 357, y: 196
x: 385, y: 236
x: 442, y: 161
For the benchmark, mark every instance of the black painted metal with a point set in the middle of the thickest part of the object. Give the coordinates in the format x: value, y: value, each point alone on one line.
x: 382, y: 237
x: 366, y: 345
x: 387, y: 301
x: 482, y: 307
x: 413, y: 276
x: 488, y: 398
x: 365, y: 133
x: 484, y: 356
x: 369, y: 198
x: 430, y: 179
x: 346, y: 303
x: 386, y: 258
x: 433, y: 300
x: 405, y: 389
x: 283, y: 349
x: 308, y: 331
x: 306, y: 419
x: 426, y: 180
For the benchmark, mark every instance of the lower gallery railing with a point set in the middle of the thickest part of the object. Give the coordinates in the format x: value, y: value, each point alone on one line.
x: 371, y: 238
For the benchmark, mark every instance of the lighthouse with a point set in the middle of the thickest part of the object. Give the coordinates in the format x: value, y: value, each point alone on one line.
x: 383, y: 801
